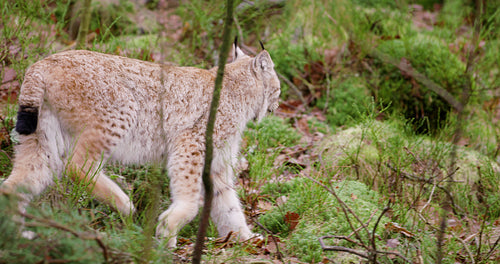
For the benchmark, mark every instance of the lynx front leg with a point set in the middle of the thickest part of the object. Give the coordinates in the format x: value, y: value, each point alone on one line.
x: 184, y: 168
x: 227, y: 213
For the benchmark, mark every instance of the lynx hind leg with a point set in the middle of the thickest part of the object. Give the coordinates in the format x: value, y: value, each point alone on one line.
x: 227, y: 212
x: 31, y: 174
x: 85, y: 164
x: 184, y: 168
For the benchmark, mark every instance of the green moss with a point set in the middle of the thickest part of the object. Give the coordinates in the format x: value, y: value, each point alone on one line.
x: 348, y: 100
x: 320, y: 214
x: 430, y: 57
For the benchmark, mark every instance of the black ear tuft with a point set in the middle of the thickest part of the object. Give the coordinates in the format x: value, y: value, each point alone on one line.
x: 235, y: 48
x: 262, y: 45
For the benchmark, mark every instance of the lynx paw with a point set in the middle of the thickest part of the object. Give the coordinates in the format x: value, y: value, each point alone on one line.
x: 163, y: 233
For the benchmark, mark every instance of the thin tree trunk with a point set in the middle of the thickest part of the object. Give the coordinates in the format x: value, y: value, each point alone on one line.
x: 81, y: 39
x: 207, y: 181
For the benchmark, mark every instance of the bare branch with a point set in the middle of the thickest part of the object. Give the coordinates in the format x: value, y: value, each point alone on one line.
x: 356, y: 252
x: 339, y: 248
x: 454, y: 206
x: 374, y: 246
x: 409, y: 70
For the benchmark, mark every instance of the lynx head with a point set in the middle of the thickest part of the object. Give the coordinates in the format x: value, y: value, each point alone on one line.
x: 262, y: 68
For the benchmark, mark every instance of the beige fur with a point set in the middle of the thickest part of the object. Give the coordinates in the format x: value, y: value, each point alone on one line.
x: 95, y: 107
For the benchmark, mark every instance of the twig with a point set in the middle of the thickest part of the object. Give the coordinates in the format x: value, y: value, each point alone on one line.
x: 294, y: 88
x: 430, y: 198
x: 420, y: 179
x: 278, y: 252
x: 9, y: 81
x: 480, y: 236
x: 493, y: 248
x: 362, y: 225
x: 339, y: 248
x: 348, y: 239
x: 374, y: 246
x: 7, y: 155
x: 356, y: 252
x: 466, y: 248
x: 426, y: 221
x: 408, y: 176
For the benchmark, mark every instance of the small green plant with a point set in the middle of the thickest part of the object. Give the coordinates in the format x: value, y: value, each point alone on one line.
x: 272, y: 132
x: 264, y: 142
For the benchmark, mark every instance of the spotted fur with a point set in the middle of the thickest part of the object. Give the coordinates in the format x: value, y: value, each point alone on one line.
x: 79, y: 109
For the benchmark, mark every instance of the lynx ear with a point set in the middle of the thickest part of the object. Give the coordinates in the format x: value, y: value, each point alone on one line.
x: 237, y: 53
x: 263, y: 62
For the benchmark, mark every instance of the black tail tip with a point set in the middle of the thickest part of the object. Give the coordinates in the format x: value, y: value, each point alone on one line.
x: 27, y: 120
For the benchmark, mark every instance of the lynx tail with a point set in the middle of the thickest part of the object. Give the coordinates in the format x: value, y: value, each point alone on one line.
x: 30, y: 101
x: 27, y: 120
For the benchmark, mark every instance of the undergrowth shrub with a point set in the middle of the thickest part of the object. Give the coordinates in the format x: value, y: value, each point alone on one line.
x: 390, y: 159
x: 416, y: 102
x: 413, y: 170
x: 49, y: 242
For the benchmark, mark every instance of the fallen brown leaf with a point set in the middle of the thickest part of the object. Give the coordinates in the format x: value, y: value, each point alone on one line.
x: 292, y: 219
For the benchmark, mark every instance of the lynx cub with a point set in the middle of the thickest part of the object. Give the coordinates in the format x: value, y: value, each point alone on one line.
x: 78, y: 109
